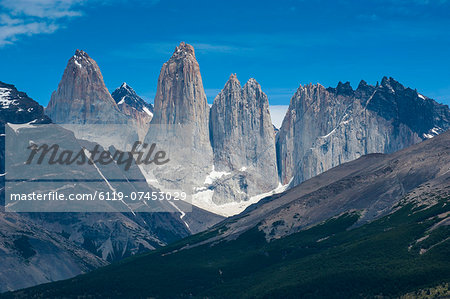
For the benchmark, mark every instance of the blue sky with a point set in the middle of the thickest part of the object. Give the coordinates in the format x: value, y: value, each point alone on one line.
x: 282, y: 44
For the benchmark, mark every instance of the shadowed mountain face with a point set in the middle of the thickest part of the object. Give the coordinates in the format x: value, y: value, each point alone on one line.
x: 126, y: 96
x: 16, y: 107
x: 134, y: 106
x: 376, y: 225
x: 373, y: 184
x: 45, y: 246
x: 30, y: 253
x: 325, y: 127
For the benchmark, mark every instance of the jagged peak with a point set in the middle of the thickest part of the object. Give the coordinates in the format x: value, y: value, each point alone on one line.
x: 232, y: 81
x: 252, y: 81
x: 183, y: 50
x: 344, y: 87
x: 385, y: 81
x: 309, y: 86
x: 362, y: 84
x: 233, y: 77
x: 127, y: 88
x: 388, y: 81
x: 124, y: 89
x: 80, y: 53
x: 80, y: 58
x: 391, y: 84
x: 253, y: 84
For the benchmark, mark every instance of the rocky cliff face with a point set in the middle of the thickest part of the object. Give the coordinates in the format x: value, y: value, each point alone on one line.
x: 243, y: 142
x: 326, y: 226
x: 34, y: 246
x: 82, y: 98
x: 31, y: 254
x: 374, y: 185
x: 325, y: 127
x: 221, y: 155
x: 180, y: 123
x: 129, y: 103
x: 17, y: 107
x: 180, y: 98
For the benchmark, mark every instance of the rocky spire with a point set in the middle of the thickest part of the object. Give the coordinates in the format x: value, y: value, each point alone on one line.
x: 82, y: 96
x: 242, y: 134
x: 324, y: 128
x: 180, y: 98
x: 182, y: 112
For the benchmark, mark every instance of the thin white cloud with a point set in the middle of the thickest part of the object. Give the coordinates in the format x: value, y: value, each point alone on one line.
x: 9, y: 33
x: 30, y: 17
x: 43, y: 9
x: 205, y: 47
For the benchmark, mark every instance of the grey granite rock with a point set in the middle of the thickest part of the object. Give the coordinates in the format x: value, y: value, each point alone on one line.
x: 44, y: 246
x: 83, y: 99
x: 243, y: 141
x: 324, y: 127
x: 180, y: 125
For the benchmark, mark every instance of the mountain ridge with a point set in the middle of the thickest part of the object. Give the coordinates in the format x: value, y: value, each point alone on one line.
x: 340, y: 255
x: 129, y: 103
x: 370, y: 119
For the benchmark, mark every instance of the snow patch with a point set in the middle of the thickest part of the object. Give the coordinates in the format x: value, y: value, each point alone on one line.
x: 16, y: 127
x: 203, y: 200
x: 88, y: 154
x: 4, y: 92
x: 433, y: 132
x: 436, y: 130
x: 421, y: 96
x: 182, y: 213
x: 4, y: 101
x: 345, y: 120
x: 146, y: 110
x: 214, y: 175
